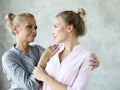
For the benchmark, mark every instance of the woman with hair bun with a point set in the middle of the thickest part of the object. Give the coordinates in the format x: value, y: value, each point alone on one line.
x: 19, y: 62
x: 69, y: 68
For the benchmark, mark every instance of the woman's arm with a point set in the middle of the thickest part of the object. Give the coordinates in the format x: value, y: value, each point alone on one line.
x: 41, y: 75
x: 47, y: 54
x: 16, y: 72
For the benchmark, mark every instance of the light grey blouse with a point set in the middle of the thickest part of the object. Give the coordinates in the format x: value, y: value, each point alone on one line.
x: 18, y: 67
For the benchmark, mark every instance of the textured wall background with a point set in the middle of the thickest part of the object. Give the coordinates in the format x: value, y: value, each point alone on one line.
x: 103, y: 36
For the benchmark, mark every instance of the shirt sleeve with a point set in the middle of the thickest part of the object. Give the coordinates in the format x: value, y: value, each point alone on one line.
x: 17, y: 74
x: 82, y: 78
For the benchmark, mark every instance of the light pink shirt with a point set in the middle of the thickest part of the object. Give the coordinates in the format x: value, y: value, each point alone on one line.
x: 73, y: 71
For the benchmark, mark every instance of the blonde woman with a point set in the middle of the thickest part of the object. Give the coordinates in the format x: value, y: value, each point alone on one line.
x: 69, y: 68
x: 19, y: 61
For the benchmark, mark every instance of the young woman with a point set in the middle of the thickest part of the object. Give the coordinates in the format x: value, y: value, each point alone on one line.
x: 69, y: 68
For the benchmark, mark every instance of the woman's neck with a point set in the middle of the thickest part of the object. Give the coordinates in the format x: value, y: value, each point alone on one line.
x: 70, y: 44
x: 24, y: 47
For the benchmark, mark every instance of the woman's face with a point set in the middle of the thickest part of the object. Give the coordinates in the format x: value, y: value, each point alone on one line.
x: 26, y: 30
x: 60, y: 33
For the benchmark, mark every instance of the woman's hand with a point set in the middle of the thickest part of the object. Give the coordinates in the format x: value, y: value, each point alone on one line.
x: 39, y: 73
x: 47, y: 54
x: 50, y: 51
x: 95, y: 61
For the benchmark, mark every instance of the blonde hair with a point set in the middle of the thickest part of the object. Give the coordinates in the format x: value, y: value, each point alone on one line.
x: 15, y: 19
x: 76, y: 19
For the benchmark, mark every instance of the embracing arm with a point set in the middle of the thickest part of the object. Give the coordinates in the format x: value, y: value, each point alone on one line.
x: 41, y: 75
x: 55, y: 85
x: 47, y: 54
x: 17, y: 73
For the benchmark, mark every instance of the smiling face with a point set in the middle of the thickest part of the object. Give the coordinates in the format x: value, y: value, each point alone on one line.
x: 60, y: 33
x: 26, y: 30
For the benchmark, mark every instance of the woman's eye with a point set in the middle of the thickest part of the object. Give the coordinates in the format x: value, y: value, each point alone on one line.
x: 55, y: 26
x: 35, y: 27
x: 29, y: 26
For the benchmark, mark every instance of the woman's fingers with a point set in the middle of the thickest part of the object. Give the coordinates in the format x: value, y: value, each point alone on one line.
x: 52, y: 48
x: 94, y: 60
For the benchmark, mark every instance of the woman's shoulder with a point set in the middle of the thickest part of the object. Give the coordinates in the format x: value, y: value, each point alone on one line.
x: 8, y: 56
x: 8, y: 53
x: 82, y: 51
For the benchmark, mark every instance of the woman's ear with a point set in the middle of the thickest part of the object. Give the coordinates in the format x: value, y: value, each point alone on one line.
x: 70, y: 28
x: 15, y: 29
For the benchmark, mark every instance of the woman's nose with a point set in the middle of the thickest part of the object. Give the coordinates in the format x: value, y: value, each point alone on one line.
x: 34, y: 30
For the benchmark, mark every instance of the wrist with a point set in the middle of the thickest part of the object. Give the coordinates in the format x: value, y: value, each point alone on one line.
x: 41, y: 64
x: 46, y: 78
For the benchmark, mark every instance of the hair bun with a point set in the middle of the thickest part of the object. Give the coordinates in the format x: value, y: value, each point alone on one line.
x: 81, y: 12
x: 9, y: 17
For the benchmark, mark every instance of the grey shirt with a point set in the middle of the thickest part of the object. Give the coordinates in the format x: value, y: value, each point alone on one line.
x: 18, y: 67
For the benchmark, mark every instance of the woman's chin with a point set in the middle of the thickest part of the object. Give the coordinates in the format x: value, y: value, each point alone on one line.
x: 32, y: 40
